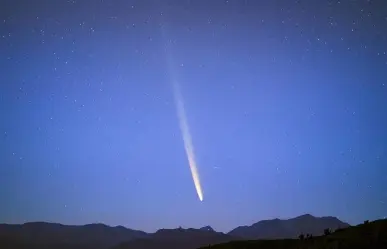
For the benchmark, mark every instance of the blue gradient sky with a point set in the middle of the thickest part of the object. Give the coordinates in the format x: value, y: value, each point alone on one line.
x: 286, y: 102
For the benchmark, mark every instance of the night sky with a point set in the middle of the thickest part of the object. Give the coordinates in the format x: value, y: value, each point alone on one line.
x: 286, y: 103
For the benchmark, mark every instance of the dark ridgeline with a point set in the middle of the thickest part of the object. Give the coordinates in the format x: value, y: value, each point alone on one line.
x: 178, y: 239
x: 46, y: 235
x: 291, y: 228
x: 207, y: 228
x: 99, y: 236
x: 369, y: 235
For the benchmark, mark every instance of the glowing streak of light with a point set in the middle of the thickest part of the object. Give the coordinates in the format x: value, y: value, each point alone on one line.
x: 188, y: 145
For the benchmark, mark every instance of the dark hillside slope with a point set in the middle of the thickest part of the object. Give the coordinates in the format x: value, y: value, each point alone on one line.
x: 291, y: 228
x: 178, y: 239
x: 48, y: 234
x: 365, y: 236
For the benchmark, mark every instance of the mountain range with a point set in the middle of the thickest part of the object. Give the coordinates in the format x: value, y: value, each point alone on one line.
x: 99, y: 236
x: 291, y: 228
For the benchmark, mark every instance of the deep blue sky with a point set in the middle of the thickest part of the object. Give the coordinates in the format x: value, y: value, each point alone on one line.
x: 286, y: 102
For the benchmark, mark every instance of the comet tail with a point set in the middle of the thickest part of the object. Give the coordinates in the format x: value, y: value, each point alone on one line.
x: 181, y: 114
x: 188, y: 145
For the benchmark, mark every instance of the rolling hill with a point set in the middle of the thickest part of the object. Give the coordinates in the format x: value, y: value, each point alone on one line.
x: 47, y: 234
x: 177, y: 239
x: 291, y: 228
x: 372, y: 235
x: 99, y: 236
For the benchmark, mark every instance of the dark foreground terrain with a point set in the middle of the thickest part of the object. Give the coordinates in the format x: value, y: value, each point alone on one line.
x: 372, y: 235
x: 264, y: 234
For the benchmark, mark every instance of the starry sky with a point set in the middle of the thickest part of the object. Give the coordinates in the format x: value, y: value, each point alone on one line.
x: 286, y: 103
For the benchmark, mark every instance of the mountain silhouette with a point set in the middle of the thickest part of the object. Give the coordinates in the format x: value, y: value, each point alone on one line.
x: 42, y: 235
x: 368, y: 235
x: 207, y: 228
x: 178, y: 239
x: 291, y: 228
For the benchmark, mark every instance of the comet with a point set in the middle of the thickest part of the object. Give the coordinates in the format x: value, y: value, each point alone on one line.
x: 183, y: 123
x: 188, y: 145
